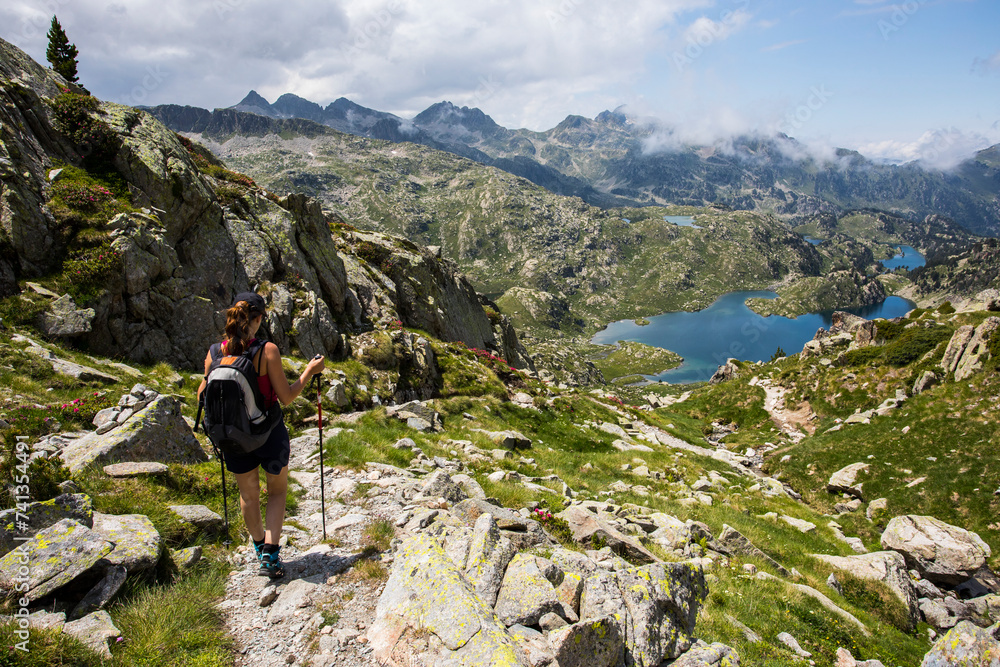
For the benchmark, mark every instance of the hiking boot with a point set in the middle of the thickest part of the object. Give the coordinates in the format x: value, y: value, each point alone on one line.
x: 258, y: 549
x: 271, y: 565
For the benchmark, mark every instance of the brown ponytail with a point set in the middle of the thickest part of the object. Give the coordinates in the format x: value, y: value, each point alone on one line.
x: 237, y: 329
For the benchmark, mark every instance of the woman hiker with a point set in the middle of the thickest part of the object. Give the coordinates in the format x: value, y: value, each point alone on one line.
x: 242, y: 322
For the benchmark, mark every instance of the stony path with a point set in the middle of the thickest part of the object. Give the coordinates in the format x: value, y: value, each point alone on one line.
x: 787, y: 421
x: 319, y: 612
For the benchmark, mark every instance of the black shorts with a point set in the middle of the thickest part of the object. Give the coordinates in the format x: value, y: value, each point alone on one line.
x: 272, y: 456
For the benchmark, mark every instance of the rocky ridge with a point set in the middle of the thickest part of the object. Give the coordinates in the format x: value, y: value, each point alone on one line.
x: 192, y: 239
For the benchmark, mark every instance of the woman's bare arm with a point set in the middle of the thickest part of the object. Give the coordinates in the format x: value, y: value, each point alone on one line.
x: 287, y: 393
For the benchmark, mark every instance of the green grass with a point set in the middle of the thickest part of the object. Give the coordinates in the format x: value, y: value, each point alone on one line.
x: 175, y: 625
x: 45, y: 648
x: 631, y: 358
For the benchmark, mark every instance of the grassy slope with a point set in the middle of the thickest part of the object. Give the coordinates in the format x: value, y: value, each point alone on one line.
x: 950, y: 417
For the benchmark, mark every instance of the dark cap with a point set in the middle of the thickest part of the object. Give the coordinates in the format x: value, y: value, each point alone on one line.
x: 256, y: 302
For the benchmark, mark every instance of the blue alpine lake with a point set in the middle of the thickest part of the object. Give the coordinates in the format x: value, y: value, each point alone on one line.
x: 908, y: 259
x: 681, y: 221
x: 727, y: 329
x: 813, y: 240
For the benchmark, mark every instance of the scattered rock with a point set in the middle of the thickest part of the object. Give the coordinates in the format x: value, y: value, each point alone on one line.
x: 588, y: 529
x: 940, y: 552
x: 656, y: 606
x: 843, y: 481
x: 440, y: 485
x: 136, y: 541
x: 41, y: 515
x: 925, y: 382
x: 199, y: 516
x: 56, y: 556
x: 102, y: 593
x: 64, y: 320
x: 126, y: 470
x: 185, y: 558
x: 977, y: 348
x: 489, y: 555
x: 526, y: 593
x: 591, y: 643
x: 965, y: 645
x: 155, y: 433
x: 799, y: 524
x: 708, y: 655
x: 96, y: 630
x: 791, y: 643
x: 734, y: 542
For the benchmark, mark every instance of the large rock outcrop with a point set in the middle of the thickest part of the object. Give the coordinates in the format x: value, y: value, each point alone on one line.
x: 158, y: 432
x: 430, y: 613
x: 204, y: 234
x: 940, y: 552
x: 888, y: 567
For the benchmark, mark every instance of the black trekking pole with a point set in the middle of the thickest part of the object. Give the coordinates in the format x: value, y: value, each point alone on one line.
x: 322, y: 482
x: 222, y: 463
x: 225, y: 500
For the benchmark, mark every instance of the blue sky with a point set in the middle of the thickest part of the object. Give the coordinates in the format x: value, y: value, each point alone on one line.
x: 895, y: 79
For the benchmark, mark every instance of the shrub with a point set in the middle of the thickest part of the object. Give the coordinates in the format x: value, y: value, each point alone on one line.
x: 229, y: 195
x: 36, y: 420
x: 946, y: 308
x: 44, y: 477
x: 74, y: 116
x: 913, y: 344
x: 556, y: 527
x: 382, y: 354
x: 90, y: 271
x: 493, y: 315
x: 82, y: 197
x: 373, y: 253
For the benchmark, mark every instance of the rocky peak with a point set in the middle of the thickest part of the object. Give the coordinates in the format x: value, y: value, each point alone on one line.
x: 254, y: 103
x: 293, y: 106
x: 446, y: 113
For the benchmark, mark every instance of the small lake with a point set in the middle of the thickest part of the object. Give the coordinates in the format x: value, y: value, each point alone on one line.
x: 813, y: 241
x: 681, y: 221
x: 728, y: 328
x: 908, y: 259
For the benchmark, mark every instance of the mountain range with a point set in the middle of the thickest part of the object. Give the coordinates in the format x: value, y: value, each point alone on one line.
x: 615, y: 159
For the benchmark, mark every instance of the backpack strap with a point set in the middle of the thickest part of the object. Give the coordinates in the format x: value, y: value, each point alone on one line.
x: 255, y: 351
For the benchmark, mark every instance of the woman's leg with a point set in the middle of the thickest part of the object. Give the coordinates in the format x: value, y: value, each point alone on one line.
x: 277, y: 489
x: 249, y: 486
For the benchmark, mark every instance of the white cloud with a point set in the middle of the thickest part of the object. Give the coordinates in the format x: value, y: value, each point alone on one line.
x: 527, y: 63
x: 941, y: 149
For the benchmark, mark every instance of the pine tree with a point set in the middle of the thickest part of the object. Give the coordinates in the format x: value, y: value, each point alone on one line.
x: 60, y: 53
